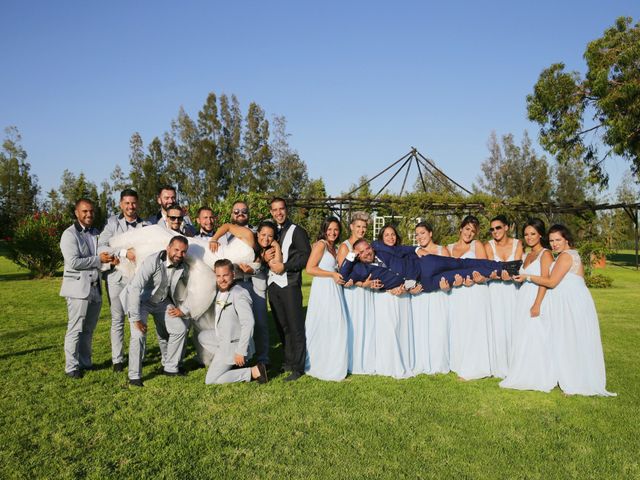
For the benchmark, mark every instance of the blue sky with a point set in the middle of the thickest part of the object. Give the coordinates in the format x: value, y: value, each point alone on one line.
x: 359, y: 82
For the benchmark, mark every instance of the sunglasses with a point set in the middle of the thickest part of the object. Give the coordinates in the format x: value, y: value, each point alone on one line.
x: 175, y: 219
x: 498, y: 228
x: 243, y: 211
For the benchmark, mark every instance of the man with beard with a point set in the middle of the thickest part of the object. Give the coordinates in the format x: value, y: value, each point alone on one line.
x: 175, y: 221
x: 166, y: 198
x: 255, y: 282
x: 206, y: 220
x: 157, y: 289
x: 115, y: 282
x: 285, y: 288
x: 81, y: 287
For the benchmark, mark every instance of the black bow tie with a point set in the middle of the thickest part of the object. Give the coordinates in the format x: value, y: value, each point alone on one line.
x: 85, y: 230
x: 132, y: 224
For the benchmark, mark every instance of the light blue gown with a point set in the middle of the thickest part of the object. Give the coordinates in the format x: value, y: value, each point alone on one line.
x: 361, y: 328
x: 503, y: 309
x: 394, y: 335
x: 470, y: 328
x: 531, y: 364
x: 431, y: 332
x: 326, y: 326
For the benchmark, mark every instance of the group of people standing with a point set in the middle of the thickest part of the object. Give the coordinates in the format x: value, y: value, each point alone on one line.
x: 399, y: 311
x: 374, y: 308
x: 244, y: 264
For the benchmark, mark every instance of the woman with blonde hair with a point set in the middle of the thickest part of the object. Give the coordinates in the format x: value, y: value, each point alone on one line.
x: 359, y: 302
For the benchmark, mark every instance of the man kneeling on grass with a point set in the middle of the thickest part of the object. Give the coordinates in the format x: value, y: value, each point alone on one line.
x: 229, y: 340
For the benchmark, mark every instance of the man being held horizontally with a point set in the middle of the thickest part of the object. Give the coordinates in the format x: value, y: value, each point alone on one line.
x: 408, y: 269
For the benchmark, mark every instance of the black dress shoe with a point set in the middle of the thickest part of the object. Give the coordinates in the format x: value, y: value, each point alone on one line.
x: 293, y: 377
x: 262, y: 368
x: 118, y: 367
x: 136, y: 382
x: 512, y: 268
x: 179, y: 373
x: 75, y: 374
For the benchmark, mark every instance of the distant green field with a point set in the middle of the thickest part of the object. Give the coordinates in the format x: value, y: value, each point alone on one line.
x: 364, y: 427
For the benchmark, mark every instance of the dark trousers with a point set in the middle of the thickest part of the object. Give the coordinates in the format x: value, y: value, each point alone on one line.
x: 286, y: 306
x: 434, y: 267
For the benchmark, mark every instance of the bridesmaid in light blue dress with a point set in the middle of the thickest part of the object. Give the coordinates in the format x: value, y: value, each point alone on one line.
x: 394, y: 324
x: 470, y: 332
x: 575, y: 331
x: 430, y: 315
x: 360, y: 309
x: 502, y: 294
x: 531, y: 359
x: 326, y: 321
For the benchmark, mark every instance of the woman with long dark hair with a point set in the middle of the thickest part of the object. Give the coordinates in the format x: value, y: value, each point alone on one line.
x: 575, y: 332
x: 531, y: 359
x: 326, y: 321
x: 470, y: 312
x: 502, y: 293
x: 394, y: 320
x: 430, y: 314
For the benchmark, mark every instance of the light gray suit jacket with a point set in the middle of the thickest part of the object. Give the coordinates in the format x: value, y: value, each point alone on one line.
x: 150, y: 282
x: 234, y: 325
x: 81, y: 268
x: 116, y: 225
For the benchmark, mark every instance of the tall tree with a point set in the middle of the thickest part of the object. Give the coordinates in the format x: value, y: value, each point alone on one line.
x: 515, y: 172
x: 74, y: 187
x: 257, y: 152
x: 230, y: 149
x: 290, y: 172
x: 148, y: 172
x: 18, y: 187
x: 206, y: 153
x: 577, y: 114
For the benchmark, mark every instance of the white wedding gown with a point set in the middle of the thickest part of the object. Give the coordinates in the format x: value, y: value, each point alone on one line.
x: 201, y: 286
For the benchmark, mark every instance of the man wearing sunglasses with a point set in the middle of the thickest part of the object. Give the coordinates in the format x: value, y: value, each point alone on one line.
x: 255, y: 282
x: 175, y: 221
x: 166, y: 198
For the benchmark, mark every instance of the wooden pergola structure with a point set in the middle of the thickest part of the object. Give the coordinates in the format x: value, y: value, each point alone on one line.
x: 342, y: 206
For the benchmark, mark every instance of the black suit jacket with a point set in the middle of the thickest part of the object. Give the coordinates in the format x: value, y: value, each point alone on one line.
x: 299, y: 252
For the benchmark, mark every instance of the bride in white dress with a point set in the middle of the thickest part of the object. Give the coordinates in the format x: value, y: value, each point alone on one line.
x: 201, y: 256
x: 575, y: 332
x: 531, y: 358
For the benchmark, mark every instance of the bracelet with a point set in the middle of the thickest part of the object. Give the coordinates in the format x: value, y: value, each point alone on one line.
x: 528, y: 278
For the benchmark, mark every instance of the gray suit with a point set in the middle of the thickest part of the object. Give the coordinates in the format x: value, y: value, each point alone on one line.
x: 81, y: 288
x: 230, y: 336
x: 115, y: 281
x: 256, y: 285
x: 151, y: 291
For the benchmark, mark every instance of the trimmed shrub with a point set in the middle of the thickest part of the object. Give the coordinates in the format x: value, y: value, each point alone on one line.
x: 35, y: 244
x: 597, y: 280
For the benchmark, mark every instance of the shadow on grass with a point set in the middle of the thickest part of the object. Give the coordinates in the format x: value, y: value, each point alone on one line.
x: 25, y: 352
x: 21, y: 333
x: 15, y: 276
x: 625, y: 260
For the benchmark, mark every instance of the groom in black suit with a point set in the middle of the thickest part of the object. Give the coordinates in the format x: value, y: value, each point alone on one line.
x: 285, y: 288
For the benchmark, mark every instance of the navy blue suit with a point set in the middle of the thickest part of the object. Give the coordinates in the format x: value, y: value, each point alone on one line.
x: 403, y: 263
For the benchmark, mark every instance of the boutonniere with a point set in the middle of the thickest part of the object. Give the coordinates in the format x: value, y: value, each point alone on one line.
x: 222, y: 304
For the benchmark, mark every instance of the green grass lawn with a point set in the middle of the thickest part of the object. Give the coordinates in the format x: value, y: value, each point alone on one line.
x: 363, y: 427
